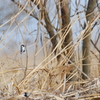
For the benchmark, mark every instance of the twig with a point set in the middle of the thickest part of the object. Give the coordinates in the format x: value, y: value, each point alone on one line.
x: 95, y: 46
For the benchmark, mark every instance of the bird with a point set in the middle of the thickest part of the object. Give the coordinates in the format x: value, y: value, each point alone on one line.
x: 22, y: 48
x: 26, y: 94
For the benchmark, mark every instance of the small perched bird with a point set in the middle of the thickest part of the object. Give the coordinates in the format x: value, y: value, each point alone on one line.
x: 22, y: 48
x: 26, y: 94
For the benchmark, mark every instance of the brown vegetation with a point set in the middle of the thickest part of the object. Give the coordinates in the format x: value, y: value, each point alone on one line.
x: 59, y: 61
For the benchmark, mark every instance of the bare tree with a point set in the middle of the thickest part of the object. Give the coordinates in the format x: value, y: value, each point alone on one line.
x: 64, y: 8
x: 63, y: 14
x: 86, y: 41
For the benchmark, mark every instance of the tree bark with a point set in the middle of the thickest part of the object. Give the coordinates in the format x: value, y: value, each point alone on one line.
x: 65, y: 13
x: 45, y: 16
x: 50, y: 29
x: 86, y: 42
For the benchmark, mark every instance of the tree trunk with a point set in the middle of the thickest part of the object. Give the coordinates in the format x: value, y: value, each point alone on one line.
x: 45, y: 16
x: 50, y: 29
x: 65, y: 13
x: 86, y: 41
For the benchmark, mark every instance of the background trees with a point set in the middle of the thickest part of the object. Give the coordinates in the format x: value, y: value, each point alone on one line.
x: 55, y: 33
x: 86, y: 42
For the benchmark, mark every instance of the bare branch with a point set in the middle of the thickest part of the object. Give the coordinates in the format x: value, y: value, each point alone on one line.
x: 95, y: 46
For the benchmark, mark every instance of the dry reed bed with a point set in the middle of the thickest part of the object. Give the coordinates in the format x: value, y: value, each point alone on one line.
x: 54, y: 82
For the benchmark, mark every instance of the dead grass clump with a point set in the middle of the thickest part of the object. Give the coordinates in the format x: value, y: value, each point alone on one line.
x: 52, y: 84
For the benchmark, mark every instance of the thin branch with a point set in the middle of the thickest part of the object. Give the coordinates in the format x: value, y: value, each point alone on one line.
x: 19, y: 5
x: 95, y: 46
x: 94, y: 55
x: 97, y: 39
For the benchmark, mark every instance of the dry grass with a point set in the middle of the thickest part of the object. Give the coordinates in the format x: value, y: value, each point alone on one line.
x: 38, y: 76
x: 51, y: 84
x: 47, y: 81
